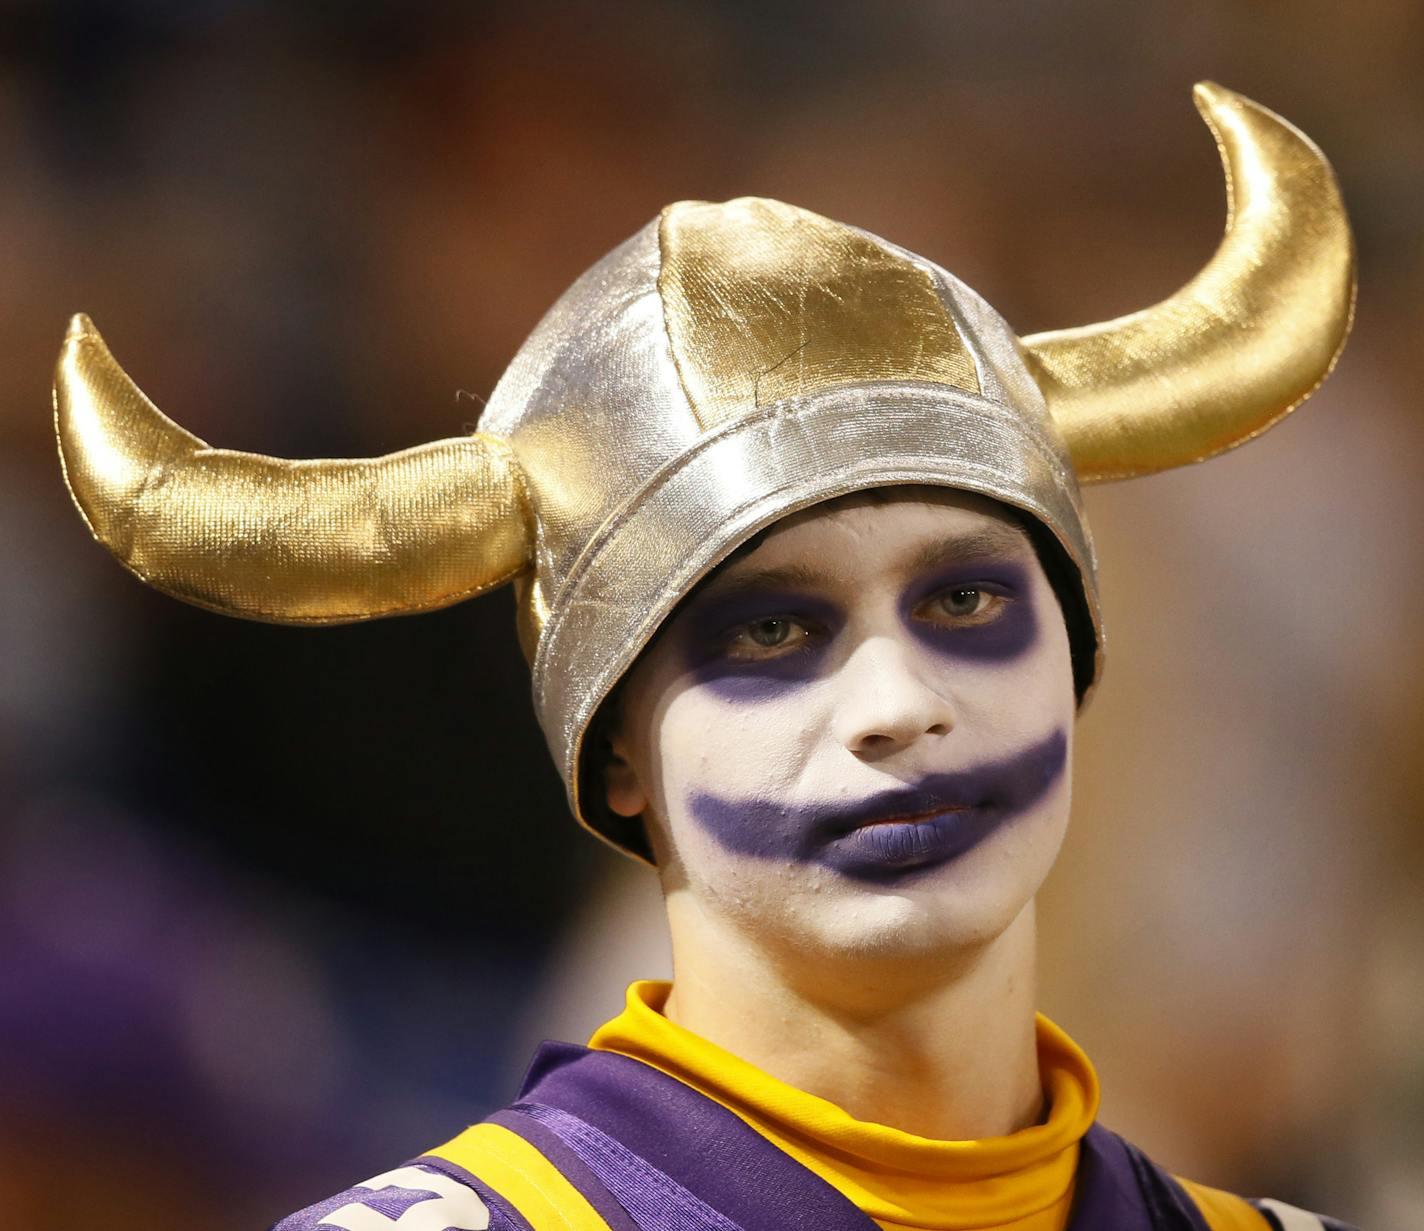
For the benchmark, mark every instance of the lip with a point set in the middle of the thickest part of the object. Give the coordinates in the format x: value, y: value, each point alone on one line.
x: 913, y: 829
x: 909, y: 805
x: 897, y: 843
x: 914, y: 817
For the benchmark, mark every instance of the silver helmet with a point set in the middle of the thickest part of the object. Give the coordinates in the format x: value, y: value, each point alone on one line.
x: 726, y: 366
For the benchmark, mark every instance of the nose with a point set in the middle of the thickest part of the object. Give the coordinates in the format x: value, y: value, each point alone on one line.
x: 886, y: 703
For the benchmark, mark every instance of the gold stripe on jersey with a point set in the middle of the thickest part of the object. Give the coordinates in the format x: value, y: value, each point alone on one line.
x: 1224, y: 1211
x: 520, y: 1174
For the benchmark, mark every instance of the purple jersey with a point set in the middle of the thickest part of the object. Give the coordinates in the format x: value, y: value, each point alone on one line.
x: 641, y: 1151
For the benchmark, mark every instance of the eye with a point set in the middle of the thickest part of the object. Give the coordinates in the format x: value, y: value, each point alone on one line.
x: 963, y: 605
x: 766, y: 638
x: 769, y: 632
x: 963, y: 601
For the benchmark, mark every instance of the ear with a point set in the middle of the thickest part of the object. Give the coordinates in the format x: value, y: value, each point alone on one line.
x: 623, y: 790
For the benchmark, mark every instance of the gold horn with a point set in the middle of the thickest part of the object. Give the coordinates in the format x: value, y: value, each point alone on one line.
x: 291, y: 542
x: 1243, y: 343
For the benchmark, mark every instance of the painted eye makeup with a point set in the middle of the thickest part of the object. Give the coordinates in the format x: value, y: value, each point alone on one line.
x: 751, y: 645
x: 980, y: 612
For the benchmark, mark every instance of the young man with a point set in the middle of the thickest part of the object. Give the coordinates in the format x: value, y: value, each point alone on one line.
x: 811, y: 607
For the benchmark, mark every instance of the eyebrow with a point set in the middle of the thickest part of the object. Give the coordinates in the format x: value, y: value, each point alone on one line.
x: 787, y: 577
x: 984, y: 543
x: 981, y: 544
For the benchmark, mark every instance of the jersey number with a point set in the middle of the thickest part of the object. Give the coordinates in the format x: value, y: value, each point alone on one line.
x: 452, y: 1207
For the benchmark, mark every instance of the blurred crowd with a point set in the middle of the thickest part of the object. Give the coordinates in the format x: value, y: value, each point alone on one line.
x: 281, y: 908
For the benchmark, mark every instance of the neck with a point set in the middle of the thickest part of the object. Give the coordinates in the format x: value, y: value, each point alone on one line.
x: 943, y: 1048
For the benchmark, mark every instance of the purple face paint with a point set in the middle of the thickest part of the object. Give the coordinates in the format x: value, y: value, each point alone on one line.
x: 1011, y: 632
x: 708, y: 628
x: 893, y: 834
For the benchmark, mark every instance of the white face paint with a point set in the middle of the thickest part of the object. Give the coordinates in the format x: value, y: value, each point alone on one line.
x: 855, y: 737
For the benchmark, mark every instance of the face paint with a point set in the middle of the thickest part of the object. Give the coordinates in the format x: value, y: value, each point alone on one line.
x: 891, y: 834
x: 896, y: 782
x: 1009, y: 634
x: 710, y: 625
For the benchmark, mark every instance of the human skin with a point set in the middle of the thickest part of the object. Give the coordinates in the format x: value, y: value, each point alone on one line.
x: 851, y: 751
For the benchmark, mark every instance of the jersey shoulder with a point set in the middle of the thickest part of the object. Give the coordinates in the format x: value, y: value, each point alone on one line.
x: 1223, y: 1211
x: 486, y: 1179
x: 1187, y: 1203
x: 446, y: 1196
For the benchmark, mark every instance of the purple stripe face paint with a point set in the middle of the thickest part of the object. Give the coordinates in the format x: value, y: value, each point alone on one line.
x: 718, y: 634
x: 893, y: 834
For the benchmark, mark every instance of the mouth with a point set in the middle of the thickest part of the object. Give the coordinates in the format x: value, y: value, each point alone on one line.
x: 910, y: 818
x: 904, y: 833
x: 889, y: 846
x: 902, y: 807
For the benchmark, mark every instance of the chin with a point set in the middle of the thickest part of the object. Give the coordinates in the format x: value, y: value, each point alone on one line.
x: 816, y: 924
x: 922, y: 921
x: 933, y: 914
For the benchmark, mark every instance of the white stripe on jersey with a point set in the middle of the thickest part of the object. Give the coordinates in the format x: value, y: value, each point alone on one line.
x: 1290, y: 1218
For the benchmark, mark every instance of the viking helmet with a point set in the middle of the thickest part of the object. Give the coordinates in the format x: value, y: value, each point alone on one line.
x: 726, y: 366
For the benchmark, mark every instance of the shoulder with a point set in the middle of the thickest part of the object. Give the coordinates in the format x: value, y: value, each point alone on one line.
x: 485, y: 1179
x: 1177, y: 1202
x: 460, y: 1200
x: 1223, y: 1211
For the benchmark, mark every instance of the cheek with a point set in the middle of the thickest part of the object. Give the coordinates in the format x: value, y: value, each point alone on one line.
x: 1017, y: 681
x: 758, y: 683
x: 758, y: 680
x: 708, y: 742
x: 747, y: 824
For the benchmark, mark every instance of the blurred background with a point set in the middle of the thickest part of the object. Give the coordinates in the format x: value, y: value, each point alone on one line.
x: 281, y: 908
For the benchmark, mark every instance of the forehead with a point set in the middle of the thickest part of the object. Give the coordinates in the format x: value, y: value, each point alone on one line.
x: 904, y: 528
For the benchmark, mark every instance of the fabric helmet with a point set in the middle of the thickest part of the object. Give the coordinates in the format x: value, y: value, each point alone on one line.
x: 726, y: 366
